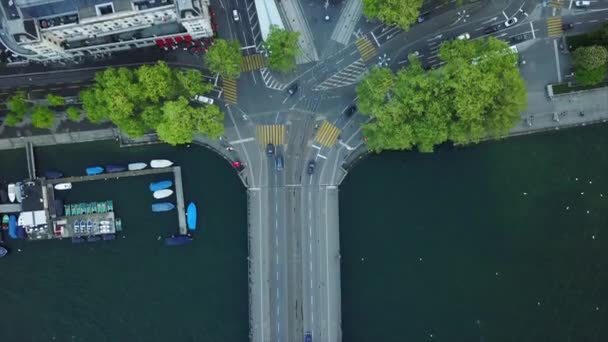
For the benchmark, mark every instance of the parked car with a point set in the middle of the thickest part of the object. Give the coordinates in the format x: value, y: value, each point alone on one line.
x: 350, y: 111
x: 464, y: 36
x: 279, y: 162
x: 292, y: 89
x: 491, y: 29
x: 235, y: 15
x: 311, y: 167
x: 511, y: 22
x: 582, y: 4
x: 270, y: 149
x: 203, y: 99
x: 568, y: 26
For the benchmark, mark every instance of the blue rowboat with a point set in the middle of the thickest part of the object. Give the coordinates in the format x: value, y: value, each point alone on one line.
x: 20, y: 233
x: 53, y: 174
x: 155, y: 186
x: 12, y: 227
x: 191, y: 216
x: 94, y: 170
x: 178, y: 240
x: 163, y: 206
x: 115, y: 168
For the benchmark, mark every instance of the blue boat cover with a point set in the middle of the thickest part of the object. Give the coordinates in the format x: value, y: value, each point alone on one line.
x: 20, y: 232
x: 94, y: 170
x: 155, y: 186
x: 12, y: 227
x: 163, y: 206
x: 115, y: 168
x: 178, y: 240
x: 191, y: 216
x: 53, y: 174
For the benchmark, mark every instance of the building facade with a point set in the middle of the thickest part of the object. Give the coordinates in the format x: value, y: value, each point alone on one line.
x: 51, y: 30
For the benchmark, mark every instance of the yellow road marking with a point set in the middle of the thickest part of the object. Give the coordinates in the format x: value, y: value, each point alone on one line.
x: 366, y: 48
x: 270, y: 134
x: 327, y: 134
x: 230, y: 91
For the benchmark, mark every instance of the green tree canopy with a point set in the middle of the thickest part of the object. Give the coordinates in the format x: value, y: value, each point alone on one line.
x: 478, y: 93
x: 18, y: 105
x: 156, y: 82
x: 191, y: 83
x: 282, y: 47
x: 55, y: 100
x: 180, y: 122
x: 224, y: 58
x: 73, y: 113
x: 591, y: 64
x: 402, y: 13
x: 43, y: 117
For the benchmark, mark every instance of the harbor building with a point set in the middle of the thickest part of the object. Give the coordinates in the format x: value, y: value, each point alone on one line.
x: 52, y: 30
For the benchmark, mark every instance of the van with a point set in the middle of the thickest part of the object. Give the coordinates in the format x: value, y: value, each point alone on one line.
x: 279, y: 163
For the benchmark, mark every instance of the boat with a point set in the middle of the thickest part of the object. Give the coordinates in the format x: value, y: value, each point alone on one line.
x: 93, y: 238
x: 178, y: 240
x: 11, y: 192
x: 63, y: 186
x: 19, y: 192
x: 53, y: 174
x: 3, y: 196
x: 3, y: 252
x: 191, y: 216
x: 20, y: 232
x: 94, y: 170
x: 108, y: 237
x: 12, y: 227
x: 162, y: 193
x: 115, y: 168
x: 155, y: 186
x: 78, y: 239
x: 160, y: 163
x: 163, y: 206
x: 5, y: 222
x: 136, y: 166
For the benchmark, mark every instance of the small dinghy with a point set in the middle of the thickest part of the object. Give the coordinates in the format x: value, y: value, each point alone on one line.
x: 94, y: 170
x: 160, y: 163
x: 115, y: 168
x: 63, y: 186
x: 161, y: 207
x: 53, y: 174
x: 155, y: 186
x: 191, y: 216
x: 178, y: 240
x: 136, y: 166
x: 11, y: 192
x: 159, y: 194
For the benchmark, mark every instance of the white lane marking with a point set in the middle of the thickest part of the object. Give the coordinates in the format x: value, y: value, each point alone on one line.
x: 559, y: 75
x: 327, y: 272
x: 240, y: 141
x: 255, y: 189
x: 317, y: 147
x: 322, y: 156
x: 593, y: 21
x: 491, y: 20
x: 332, y: 187
x: 570, y: 6
x: 506, y: 17
x: 532, y: 29
x: 376, y: 40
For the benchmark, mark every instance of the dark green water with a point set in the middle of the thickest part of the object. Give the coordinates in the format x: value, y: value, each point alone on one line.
x: 454, y: 251
x: 132, y: 289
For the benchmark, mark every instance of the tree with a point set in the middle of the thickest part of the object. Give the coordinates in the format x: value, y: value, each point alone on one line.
x: 224, y: 58
x: 55, y: 100
x: 18, y: 105
x: 478, y: 93
x: 282, y: 47
x: 43, y: 117
x: 73, y: 113
x: 181, y: 122
x: 156, y: 82
x: 12, y: 120
x: 402, y: 13
x: 591, y: 64
x: 93, y: 105
x: 191, y: 83
x: 209, y: 122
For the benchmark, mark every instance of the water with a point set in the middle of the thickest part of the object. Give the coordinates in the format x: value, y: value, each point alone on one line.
x: 134, y: 288
x: 476, y: 244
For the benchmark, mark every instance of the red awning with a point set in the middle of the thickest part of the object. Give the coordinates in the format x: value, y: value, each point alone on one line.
x: 159, y: 42
x: 188, y: 38
x: 179, y: 39
x: 169, y: 41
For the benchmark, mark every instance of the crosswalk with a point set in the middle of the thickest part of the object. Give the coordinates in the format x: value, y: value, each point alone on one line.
x: 366, y: 48
x: 229, y: 90
x: 327, y: 134
x: 555, y: 3
x: 270, y: 134
x: 345, y: 77
x: 554, y: 26
x: 252, y: 62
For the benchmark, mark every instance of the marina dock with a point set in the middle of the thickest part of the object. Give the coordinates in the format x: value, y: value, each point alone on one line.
x: 179, y: 194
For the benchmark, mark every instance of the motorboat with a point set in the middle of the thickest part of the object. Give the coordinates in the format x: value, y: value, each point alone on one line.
x: 178, y: 240
x: 136, y: 166
x: 191, y: 216
x: 19, y: 192
x: 159, y: 194
x: 63, y: 186
x: 94, y: 170
x: 11, y: 192
x: 12, y: 227
x: 155, y: 186
x: 3, y: 252
x: 115, y: 168
x: 160, y: 163
x: 5, y: 222
x: 53, y: 174
x: 93, y: 238
x: 164, y: 206
x: 108, y: 237
x: 3, y: 196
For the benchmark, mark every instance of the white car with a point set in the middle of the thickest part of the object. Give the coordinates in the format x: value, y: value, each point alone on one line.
x: 464, y: 36
x: 582, y: 3
x: 235, y: 15
x: 511, y: 22
x: 203, y: 99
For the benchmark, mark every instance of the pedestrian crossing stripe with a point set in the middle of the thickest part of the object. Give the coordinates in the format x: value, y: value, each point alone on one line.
x: 555, y: 3
x: 327, y: 134
x: 270, y: 134
x: 366, y: 48
x: 229, y: 90
x: 252, y: 62
x: 554, y: 26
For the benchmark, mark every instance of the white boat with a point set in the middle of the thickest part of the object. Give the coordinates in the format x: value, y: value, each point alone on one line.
x: 159, y: 163
x: 137, y: 166
x: 63, y: 186
x: 162, y: 193
x: 11, y: 192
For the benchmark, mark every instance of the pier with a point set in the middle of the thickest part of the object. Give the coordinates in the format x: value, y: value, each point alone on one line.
x: 10, y: 208
x: 31, y: 163
x: 179, y: 194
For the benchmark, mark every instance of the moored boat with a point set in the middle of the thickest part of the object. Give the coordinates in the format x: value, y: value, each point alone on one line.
x: 94, y: 170
x: 51, y: 174
x: 162, y: 193
x: 12, y: 227
x: 93, y: 238
x: 108, y: 237
x: 3, y: 196
x: 3, y: 252
x: 5, y: 222
x: 136, y: 166
x: 155, y: 186
x: 191, y: 216
x: 11, y: 192
x: 163, y: 206
x: 178, y: 240
x: 78, y: 239
x: 115, y: 168
x: 63, y: 186
x: 20, y: 232
x: 19, y: 192
x: 159, y: 163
